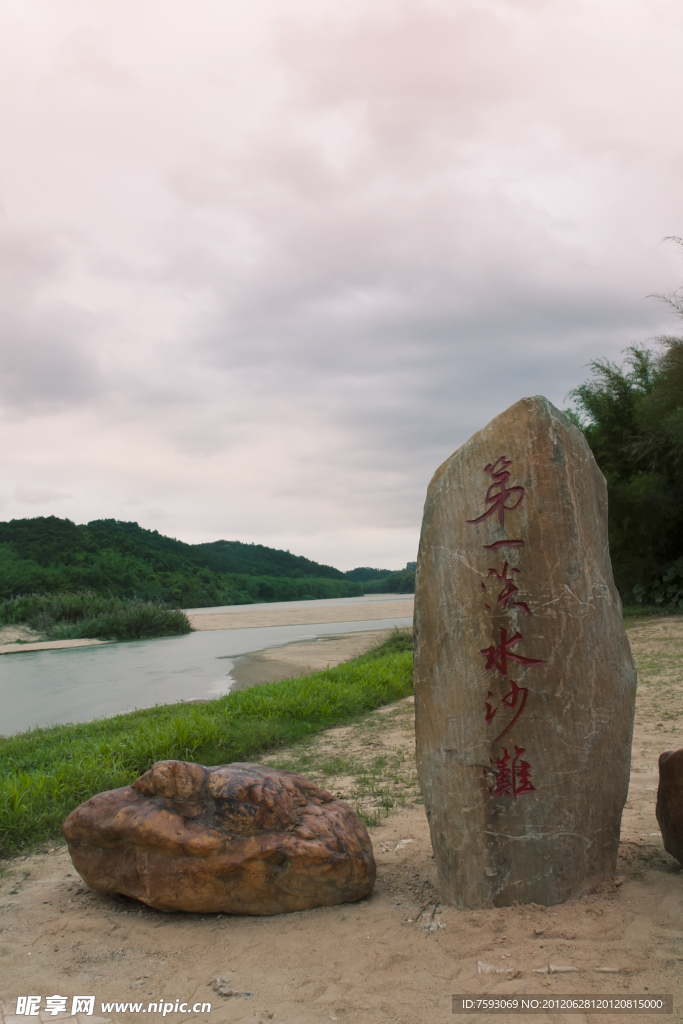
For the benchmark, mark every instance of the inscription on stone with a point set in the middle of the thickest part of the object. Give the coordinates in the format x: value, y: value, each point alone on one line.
x: 524, y: 681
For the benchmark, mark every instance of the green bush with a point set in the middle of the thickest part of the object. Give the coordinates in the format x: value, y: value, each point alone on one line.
x: 665, y: 589
x: 402, y: 582
x: 45, y: 773
x: 87, y: 615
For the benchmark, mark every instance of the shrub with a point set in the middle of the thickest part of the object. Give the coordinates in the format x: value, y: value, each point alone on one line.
x: 87, y: 615
x: 665, y: 589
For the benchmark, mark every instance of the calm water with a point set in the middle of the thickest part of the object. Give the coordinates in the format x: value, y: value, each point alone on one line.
x: 77, y: 685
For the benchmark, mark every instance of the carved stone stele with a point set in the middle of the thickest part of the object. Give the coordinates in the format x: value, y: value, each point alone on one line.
x: 236, y: 839
x: 670, y: 802
x: 524, y: 680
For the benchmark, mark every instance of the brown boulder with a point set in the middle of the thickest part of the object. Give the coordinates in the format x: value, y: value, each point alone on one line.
x: 524, y: 680
x: 236, y: 839
x: 670, y: 802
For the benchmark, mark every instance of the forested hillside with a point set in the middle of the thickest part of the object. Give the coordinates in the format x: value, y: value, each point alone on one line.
x: 50, y: 555
x: 632, y: 416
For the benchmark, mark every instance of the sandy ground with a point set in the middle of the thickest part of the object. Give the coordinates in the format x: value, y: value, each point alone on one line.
x: 12, y: 634
x: 49, y: 645
x: 242, y: 616
x: 302, y: 657
x: 397, y: 956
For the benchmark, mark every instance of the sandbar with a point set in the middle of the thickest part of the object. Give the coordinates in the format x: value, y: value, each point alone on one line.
x: 274, y: 664
x: 243, y: 616
x: 49, y: 645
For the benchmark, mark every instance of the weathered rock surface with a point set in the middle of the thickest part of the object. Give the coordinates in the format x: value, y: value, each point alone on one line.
x: 670, y: 802
x: 524, y: 680
x: 238, y: 838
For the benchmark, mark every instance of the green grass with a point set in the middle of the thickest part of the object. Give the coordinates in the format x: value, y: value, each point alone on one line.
x: 45, y: 773
x: 648, y: 611
x: 66, y: 616
x: 373, y: 785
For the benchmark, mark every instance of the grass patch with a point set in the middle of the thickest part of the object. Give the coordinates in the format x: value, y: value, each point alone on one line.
x: 658, y: 654
x: 45, y: 773
x: 87, y: 615
x: 369, y: 763
x: 374, y: 785
x: 648, y: 611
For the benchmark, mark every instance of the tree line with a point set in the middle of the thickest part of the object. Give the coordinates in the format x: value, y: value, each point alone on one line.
x: 632, y: 416
x: 48, y: 555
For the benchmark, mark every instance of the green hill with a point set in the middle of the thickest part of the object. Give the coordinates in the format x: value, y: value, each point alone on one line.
x: 48, y: 555
x: 364, y: 574
x: 258, y: 560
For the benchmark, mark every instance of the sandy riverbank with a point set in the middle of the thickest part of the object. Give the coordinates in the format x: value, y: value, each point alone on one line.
x: 373, y: 962
x: 243, y: 616
x: 301, y: 658
x: 49, y: 645
x: 20, y: 639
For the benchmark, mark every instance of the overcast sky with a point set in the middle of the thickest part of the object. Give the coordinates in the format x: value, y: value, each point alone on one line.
x: 266, y: 263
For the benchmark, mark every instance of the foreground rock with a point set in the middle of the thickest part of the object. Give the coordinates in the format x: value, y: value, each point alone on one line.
x: 239, y: 839
x: 670, y: 802
x: 524, y: 680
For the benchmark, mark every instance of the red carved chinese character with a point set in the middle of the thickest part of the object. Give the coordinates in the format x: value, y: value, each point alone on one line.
x: 512, y: 775
x: 517, y: 695
x: 521, y: 775
x: 498, y: 493
x: 503, y: 773
x: 490, y: 710
x: 497, y: 657
x: 508, y: 590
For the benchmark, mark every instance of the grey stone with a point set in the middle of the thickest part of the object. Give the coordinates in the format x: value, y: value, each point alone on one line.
x: 524, y: 680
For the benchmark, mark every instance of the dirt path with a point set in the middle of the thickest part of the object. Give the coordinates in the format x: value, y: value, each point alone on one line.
x: 396, y: 956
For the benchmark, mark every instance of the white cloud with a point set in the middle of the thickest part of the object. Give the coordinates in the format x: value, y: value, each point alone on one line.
x: 267, y: 266
x: 25, y: 494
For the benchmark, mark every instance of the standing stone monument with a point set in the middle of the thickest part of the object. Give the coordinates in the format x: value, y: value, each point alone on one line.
x: 524, y: 681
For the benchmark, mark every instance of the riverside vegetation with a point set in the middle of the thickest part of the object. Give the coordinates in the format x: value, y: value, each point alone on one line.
x: 82, y: 615
x: 45, y: 773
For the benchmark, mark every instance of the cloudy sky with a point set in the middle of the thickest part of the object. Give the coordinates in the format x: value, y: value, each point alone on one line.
x: 266, y: 263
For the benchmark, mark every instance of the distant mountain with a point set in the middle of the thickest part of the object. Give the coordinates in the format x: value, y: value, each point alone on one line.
x: 258, y: 560
x: 107, y: 556
x: 364, y: 574
x: 385, y: 581
x: 401, y: 582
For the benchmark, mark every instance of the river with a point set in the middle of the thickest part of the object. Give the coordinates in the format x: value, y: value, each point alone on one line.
x: 40, y: 688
